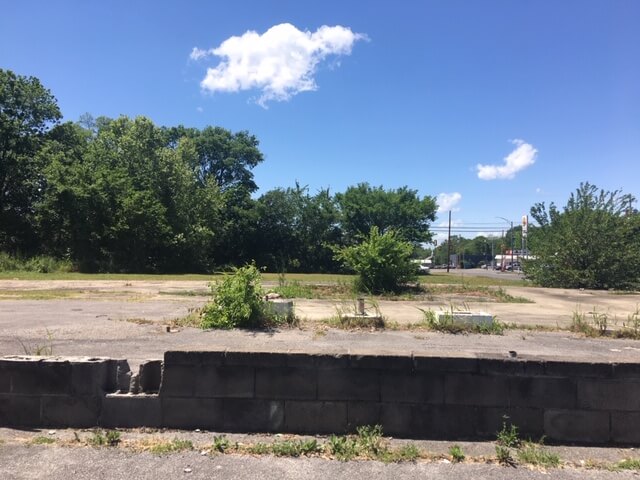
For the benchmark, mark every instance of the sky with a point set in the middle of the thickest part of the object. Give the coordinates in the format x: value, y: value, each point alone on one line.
x: 490, y: 106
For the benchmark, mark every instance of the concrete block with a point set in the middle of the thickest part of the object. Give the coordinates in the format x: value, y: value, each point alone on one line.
x: 131, y: 411
x: 72, y: 412
x: 178, y: 380
x: 579, y: 426
x: 362, y: 413
x: 242, y: 415
x: 318, y: 360
x: 315, y: 417
x: 5, y: 378
x: 578, y: 369
x: 221, y: 382
x: 41, y: 377
x: 408, y: 387
x: 19, y: 411
x: 481, y: 390
x: 609, y: 394
x: 348, y: 384
x: 213, y: 357
x: 444, y: 364
x: 381, y: 362
x: 542, y: 392
x: 510, y: 366
x: 190, y: 413
x: 627, y: 370
x: 397, y: 419
x: 443, y: 421
x: 123, y: 376
x: 286, y: 383
x: 255, y: 359
x: 89, y: 378
x: 625, y: 428
x: 150, y: 375
x: 490, y: 420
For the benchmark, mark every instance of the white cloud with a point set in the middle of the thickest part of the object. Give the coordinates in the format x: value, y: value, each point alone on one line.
x: 280, y: 62
x: 448, y: 201
x: 522, y: 157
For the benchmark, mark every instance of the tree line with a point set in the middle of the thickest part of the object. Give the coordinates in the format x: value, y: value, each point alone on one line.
x: 126, y: 195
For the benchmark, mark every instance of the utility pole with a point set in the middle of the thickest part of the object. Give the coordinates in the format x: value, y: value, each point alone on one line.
x: 449, y: 243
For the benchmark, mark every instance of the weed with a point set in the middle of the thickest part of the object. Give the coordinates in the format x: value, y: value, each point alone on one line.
x: 44, y: 350
x: 370, y: 439
x: 457, y: 455
x: 293, y: 448
x: 600, y: 321
x: 504, y: 456
x: 407, y: 453
x: 293, y: 289
x: 629, y: 464
x: 99, y: 438
x: 508, y: 435
x: 113, y: 438
x: 175, y: 445
x: 343, y: 448
x: 534, y: 454
x: 220, y: 443
x: 42, y: 440
x: 258, y: 449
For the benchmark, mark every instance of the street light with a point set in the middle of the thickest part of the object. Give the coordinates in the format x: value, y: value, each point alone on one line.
x: 511, y: 223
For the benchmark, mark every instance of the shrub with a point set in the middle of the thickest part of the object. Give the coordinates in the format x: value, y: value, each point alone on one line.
x: 381, y: 261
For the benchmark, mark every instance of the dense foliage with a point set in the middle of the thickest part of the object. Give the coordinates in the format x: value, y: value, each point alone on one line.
x: 125, y: 195
x: 382, y: 261
x: 593, y: 242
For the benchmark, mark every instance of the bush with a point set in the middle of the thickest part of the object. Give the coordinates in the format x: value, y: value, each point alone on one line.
x: 237, y: 301
x: 381, y: 261
x: 39, y: 264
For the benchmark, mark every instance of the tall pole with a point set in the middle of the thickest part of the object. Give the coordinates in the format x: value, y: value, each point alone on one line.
x: 449, y: 243
x: 512, y: 245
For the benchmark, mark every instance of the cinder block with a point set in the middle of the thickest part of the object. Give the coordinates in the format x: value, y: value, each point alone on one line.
x: 315, y: 417
x: 542, y: 392
x: 609, y: 394
x: 381, y: 362
x: 150, y: 376
x: 255, y: 359
x: 625, y: 428
x: 178, y: 380
x: 317, y: 360
x: 348, y: 384
x: 188, y: 413
x: 490, y: 420
x: 41, y: 378
x: 286, y: 383
x: 445, y: 364
x: 397, y: 419
x: 19, y: 411
x: 362, y: 413
x: 578, y: 369
x: 5, y: 378
x: 221, y: 382
x: 407, y: 387
x: 213, y: 357
x: 464, y: 389
x: 253, y: 415
x: 89, y: 378
x: 443, y: 421
x: 130, y: 411
x: 71, y: 412
x: 510, y: 366
x: 627, y: 370
x: 577, y: 426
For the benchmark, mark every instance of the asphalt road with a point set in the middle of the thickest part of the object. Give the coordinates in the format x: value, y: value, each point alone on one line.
x: 22, y: 462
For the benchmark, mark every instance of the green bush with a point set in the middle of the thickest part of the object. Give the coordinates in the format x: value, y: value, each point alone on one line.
x: 237, y: 301
x: 39, y: 264
x: 381, y: 261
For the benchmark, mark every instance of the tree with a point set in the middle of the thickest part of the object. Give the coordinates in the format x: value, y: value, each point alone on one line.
x: 591, y: 243
x: 382, y: 261
x: 27, y: 112
x: 402, y: 210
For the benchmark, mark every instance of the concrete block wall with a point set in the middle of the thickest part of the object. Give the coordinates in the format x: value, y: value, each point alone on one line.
x: 413, y: 395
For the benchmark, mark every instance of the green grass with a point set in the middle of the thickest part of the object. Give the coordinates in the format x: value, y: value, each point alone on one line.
x: 534, y: 454
x: 175, y: 445
x: 457, y: 455
x: 49, y: 294
x: 42, y: 440
x: 629, y: 464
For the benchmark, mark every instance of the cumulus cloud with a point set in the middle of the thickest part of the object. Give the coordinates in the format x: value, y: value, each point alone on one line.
x: 522, y: 157
x: 448, y: 201
x: 280, y: 63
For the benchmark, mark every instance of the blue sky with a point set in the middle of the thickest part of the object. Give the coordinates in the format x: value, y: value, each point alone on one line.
x: 415, y: 93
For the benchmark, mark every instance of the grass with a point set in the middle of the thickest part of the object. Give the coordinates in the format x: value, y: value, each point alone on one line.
x: 535, y: 454
x: 628, y: 464
x: 42, y: 440
x: 109, y: 438
x: 159, y: 447
x: 49, y: 294
x: 597, y: 324
x: 456, y: 453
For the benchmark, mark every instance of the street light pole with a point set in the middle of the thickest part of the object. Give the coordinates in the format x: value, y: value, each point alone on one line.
x: 510, y: 222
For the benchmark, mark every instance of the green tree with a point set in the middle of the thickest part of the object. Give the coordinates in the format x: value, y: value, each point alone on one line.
x: 27, y: 112
x: 382, y: 261
x: 591, y: 243
x: 402, y: 210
